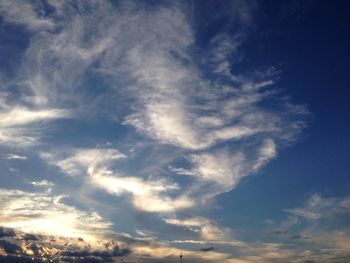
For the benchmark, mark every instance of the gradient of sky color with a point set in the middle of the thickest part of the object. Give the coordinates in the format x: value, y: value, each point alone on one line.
x: 140, y: 130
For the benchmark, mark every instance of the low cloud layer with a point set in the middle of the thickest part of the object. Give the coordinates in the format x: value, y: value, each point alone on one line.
x: 24, y: 247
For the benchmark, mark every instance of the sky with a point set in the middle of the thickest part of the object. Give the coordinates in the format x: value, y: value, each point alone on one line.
x: 139, y: 131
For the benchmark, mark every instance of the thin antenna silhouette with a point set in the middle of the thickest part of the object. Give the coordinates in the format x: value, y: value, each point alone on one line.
x: 181, y: 257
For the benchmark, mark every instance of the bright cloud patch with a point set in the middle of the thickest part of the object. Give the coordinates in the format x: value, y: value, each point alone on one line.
x: 42, y: 212
x: 207, y: 229
x: 20, y: 126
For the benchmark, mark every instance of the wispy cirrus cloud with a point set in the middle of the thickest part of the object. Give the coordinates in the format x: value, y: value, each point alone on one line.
x: 30, y: 15
x: 139, y: 67
x: 149, y: 196
x: 206, y: 229
x: 95, y: 164
x: 315, y: 227
x: 21, y: 126
x: 20, y: 116
x: 213, y: 120
x: 13, y: 156
x: 83, y: 161
x: 318, y: 207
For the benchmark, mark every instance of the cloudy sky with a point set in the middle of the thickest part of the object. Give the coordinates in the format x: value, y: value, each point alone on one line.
x: 138, y: 131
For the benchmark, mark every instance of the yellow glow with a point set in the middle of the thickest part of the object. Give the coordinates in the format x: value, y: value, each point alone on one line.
x: 46, y: 214
x: 64, y: 225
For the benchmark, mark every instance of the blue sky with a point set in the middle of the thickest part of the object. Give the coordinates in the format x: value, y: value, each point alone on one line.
x: 139, y: 130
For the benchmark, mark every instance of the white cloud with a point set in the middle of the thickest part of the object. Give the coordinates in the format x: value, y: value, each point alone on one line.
x: 59, y: 51
x: 206, y: 229
x: 18, y: 137
x: 82, y: 161
x: 19, y: 116
x: 27, y: 14
x: 222, y: 168
x: 169, y: 90
x: 265, y: 153
x: 166, y: 122
x: 20, y: 127
x: 182, y: 171
x: 318, y: 207
x: 175, y: 104
x: 13, y: 156
x: 45, y: 184
x: 149, y: 196
x: 223, y: 47
x: 171, y: 118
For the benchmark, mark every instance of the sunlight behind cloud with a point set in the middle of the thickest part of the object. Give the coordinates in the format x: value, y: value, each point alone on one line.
x: 45, y: 213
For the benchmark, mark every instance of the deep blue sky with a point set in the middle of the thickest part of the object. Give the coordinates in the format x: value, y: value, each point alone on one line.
x: 309, y: 42
x: 216, y: 129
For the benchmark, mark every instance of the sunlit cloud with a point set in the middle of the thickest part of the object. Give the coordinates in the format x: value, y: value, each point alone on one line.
x: 20, y: 246
x: 13, y: 156
x: 42, y: 212
x: 147, y: 196
x: 20, y: 116
x: 206, y: 229
x: 21, y: 127
x: 82, y: 161
x: 222, y: 168
x: 266, y: 153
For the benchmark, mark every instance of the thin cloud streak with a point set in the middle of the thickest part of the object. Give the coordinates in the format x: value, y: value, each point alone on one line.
x: 13, y: 156
x: 21, y: 126
x: 207, y: 230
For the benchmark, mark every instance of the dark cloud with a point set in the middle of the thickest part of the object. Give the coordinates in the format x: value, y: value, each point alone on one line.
x: 122, y: 252
x: 280, y: 232
x: 27, y: 236
x: 206, y: 249
x: 75, y: 253
x: 6, y: 232
x: 25, y: 247
x: 104, y: 254
x: 18, y: 259
x: 296, y: 237
x: 9, y: 247
x: 87, y: 259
